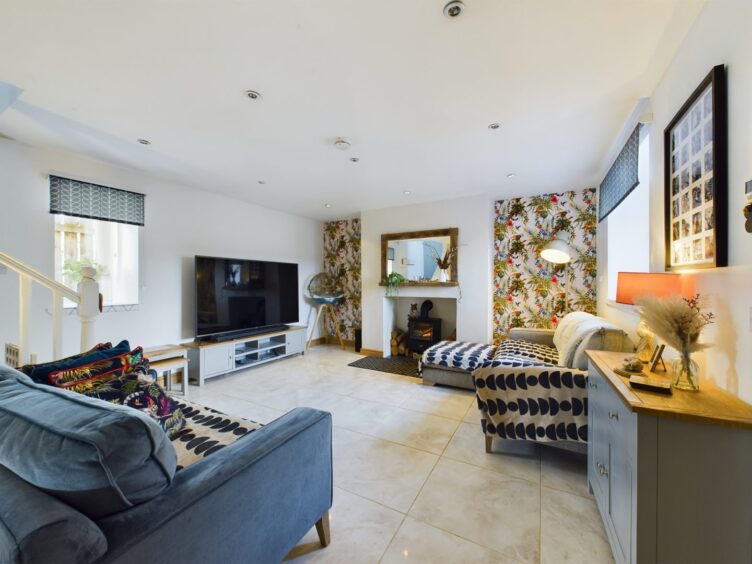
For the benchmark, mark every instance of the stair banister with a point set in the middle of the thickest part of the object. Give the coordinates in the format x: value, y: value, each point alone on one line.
x: 86, y: 299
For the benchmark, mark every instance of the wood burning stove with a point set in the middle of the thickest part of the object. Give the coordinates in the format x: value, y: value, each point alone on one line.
x: 422, y: 333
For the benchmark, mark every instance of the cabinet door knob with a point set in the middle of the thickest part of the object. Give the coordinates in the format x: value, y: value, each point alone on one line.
x: 613, y: 415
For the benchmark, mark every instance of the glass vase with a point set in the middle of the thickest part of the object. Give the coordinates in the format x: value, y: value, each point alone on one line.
x: 686, y: 373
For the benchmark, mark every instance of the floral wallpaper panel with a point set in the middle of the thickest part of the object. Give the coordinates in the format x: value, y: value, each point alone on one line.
x: 529, y: 291
x: 342, y: 259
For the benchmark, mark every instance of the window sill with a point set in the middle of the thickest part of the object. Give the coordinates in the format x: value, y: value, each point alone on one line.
x: 627, y: 308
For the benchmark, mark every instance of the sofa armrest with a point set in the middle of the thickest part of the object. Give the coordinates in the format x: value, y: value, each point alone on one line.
x: 36, y: 528
x: 538, y: 336
x: 250, y: 502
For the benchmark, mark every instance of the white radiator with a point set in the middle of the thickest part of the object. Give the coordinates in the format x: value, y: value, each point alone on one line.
x: 12, y: 354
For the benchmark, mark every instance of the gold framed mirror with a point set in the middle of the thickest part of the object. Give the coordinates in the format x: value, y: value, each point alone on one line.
x: 417, y: 255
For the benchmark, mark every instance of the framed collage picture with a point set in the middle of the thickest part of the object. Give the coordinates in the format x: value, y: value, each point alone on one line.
x: 695, y: 184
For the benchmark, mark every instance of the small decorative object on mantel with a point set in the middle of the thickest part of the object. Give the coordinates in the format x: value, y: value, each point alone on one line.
x: 413, y: 312
x: 444, y: 263
x: 678, y: 321
x: 696, y: 168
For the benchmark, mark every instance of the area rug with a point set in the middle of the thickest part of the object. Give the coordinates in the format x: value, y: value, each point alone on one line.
x: 393, y: 365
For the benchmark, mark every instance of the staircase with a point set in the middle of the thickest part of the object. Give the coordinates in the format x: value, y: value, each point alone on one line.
x: 87, y: 300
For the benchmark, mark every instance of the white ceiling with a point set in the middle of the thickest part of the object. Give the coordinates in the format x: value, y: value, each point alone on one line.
x: 412, y: 90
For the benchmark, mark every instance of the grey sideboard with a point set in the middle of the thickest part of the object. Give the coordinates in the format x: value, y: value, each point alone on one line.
x: 671, y: 475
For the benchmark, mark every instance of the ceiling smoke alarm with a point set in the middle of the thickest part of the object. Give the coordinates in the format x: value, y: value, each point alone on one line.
x: 253, y: 95
x: 341, y: 144
x: 454, y: 9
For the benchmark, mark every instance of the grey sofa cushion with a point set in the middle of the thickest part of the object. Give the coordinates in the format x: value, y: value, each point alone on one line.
x: 97, y: 457
x: 37, y: 528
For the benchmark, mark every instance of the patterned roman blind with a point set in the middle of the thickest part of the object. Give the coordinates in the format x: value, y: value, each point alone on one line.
x: 84, y: 199
x: 621, y: 178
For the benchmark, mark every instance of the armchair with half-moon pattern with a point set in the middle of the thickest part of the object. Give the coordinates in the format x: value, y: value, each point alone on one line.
x: 535, y: 388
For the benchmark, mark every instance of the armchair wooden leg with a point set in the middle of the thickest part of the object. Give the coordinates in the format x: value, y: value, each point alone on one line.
x: 322, y: 528
x: 489, y: 443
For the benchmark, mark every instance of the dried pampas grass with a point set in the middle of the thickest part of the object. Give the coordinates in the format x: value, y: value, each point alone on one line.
x: 677, y: 321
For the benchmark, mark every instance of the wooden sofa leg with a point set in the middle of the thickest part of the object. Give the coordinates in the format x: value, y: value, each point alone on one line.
x: 322, y: 528
x: 489, y: 443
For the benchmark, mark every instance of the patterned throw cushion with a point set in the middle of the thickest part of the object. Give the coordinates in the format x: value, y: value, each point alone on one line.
x: 458, y: 355
x: 133, y: 389
x: 85, y: 377
x: 207, y: 431
x: 42, y: 370
x: 530, y: 354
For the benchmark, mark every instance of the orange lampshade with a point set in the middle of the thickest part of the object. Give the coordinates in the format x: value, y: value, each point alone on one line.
x: 631, y: 285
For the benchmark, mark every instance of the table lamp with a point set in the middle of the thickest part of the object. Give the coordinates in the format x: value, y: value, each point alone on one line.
x: 631, y: 285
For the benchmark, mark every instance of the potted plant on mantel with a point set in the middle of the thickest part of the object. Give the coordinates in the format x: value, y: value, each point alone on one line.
x: 392, y: 283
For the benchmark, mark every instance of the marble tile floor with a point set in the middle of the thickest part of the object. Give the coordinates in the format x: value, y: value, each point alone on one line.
x: 412, y: 481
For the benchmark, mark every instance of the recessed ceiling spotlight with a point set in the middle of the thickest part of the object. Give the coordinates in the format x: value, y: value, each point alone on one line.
x: 327, y: 205
x: 144, y: 141
x: 494, y: 126
x: 341, y: 143
x: 454, y: 9
x: 406, y: 192
x: 354, y: 159
x: 511, y: 175
x: 253, y: 95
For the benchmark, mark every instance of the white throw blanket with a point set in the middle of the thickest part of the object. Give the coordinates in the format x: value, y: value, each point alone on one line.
x: 573, y: 329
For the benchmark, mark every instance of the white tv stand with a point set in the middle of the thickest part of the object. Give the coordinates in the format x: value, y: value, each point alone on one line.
x: 208, y: 360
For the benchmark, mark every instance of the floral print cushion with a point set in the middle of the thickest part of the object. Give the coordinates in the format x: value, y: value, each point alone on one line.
x: 134, y: 389
x: 87, y: 376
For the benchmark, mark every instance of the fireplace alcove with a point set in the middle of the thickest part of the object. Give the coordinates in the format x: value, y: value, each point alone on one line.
x: 440, y: 324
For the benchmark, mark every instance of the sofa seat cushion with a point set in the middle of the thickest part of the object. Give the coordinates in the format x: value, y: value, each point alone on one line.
x: 97, y: 457
x: 459, y: 355
x: 206, y: 432
x: 513, y: 351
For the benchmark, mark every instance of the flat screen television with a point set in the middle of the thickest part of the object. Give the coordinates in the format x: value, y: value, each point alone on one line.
x: 235, y: 296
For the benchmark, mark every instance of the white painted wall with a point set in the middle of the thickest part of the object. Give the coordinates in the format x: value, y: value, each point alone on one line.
x: 719, y: 35
x: 474, y: 218
x: 180, y: 223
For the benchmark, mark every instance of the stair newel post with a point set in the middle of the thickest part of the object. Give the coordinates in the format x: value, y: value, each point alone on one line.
x: 24, y: 317
x: 57, y: 325
x: 88, y: 305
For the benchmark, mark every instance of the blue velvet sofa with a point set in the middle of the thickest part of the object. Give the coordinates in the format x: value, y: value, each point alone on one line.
x: 85, y: 481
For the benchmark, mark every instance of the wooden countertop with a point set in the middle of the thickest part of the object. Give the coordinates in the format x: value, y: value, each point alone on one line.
x: 709, y: 405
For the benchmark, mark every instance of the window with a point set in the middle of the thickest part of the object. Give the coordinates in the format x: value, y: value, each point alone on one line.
x: 627, y: 226
x: 110, y: 248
